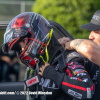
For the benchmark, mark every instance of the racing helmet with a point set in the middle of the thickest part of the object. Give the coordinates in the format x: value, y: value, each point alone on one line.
x: 38, y: 32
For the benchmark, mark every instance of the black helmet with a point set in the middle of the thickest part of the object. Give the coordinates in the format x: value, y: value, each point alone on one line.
x: 31, y: 25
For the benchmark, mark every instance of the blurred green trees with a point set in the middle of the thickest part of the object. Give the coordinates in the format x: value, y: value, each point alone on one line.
x: 1, y: 36
x: 69, y: 13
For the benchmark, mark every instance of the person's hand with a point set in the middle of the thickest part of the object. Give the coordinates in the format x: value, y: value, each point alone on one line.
x: 63, y: 41
x: 7, y: 60
x: 68, y: 45
x: 42, y: 68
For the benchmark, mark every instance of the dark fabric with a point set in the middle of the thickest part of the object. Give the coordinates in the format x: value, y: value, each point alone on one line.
x: 94, y: 72
x: 75, y: 76
x: 52, y: 74
x: 90, y: 26
x: 56, y: 74
x: 54, y: 49
x: 46, y: 71
x: 97, y: 88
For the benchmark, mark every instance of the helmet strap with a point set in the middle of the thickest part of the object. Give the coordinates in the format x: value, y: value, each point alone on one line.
x: 46, y: 51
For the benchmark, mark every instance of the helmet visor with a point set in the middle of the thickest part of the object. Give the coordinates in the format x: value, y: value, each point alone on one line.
x: 39, y: 43
x: 13, y: 34
x: 10, y: 37
x: 34, y: 47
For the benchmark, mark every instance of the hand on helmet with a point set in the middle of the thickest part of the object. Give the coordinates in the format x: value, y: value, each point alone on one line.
x: 63, y: 41
x: 42, y: 68
x: 66, y: 43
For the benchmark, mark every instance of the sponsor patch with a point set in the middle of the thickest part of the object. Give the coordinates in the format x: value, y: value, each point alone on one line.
x: 73, y: 78
x: 95, y: 76
x: 95, y: 17
x: 82, y: 74
x: 88, y: 93
x: 75, y: 94
x: 77, y: 71
x: 57, y: 67
x: 32, y: 81
x: 47, y: 83
x: 76, y: 66
x: 85, y: 80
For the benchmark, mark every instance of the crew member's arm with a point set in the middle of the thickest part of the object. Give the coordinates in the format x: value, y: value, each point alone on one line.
x: 75, y: 81
x: 86, y: 48
x: 6, y: 59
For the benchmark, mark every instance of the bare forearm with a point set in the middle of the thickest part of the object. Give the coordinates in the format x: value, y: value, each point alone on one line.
x: 88, y: 49
x: 5, y: 58
x: 75, y: 44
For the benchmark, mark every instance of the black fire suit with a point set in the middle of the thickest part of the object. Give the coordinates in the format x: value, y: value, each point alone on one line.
x: 66, y: 76
x: 67, y: 73
x: 94, y: 72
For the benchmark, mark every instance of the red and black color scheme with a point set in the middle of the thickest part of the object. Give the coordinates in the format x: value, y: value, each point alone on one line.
x: 33, y: 26
x: 73, y: 79
x: 63, y: 80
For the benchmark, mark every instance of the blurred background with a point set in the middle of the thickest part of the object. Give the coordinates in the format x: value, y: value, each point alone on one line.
x: 68, y: 13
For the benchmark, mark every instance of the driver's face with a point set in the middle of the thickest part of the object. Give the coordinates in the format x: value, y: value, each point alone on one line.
x: 23, y: 43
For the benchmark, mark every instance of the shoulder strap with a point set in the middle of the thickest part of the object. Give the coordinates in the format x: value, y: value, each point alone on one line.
x: 97, y: 88
x: 63, y: 59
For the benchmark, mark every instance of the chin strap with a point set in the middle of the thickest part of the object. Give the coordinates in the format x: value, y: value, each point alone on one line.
x: 46, y: 51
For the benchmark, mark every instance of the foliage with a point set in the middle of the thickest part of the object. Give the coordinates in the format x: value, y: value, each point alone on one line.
x: 69, y: 13
x: 1, y: 36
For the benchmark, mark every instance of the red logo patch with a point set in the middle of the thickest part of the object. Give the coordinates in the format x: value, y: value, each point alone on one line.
x: 32, y: 81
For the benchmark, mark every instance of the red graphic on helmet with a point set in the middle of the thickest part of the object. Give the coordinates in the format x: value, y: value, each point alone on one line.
x: 21, y: 20
x: 36, y: 29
